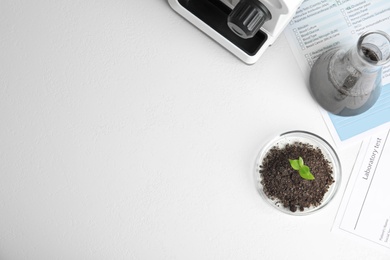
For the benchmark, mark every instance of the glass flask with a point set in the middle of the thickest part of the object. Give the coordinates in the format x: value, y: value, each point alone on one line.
x: 347, y: 82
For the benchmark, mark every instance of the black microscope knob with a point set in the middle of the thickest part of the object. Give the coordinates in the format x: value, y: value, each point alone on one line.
x: 247, y: 17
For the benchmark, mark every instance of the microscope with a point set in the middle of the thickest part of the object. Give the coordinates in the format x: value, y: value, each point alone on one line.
x: 244, y: 27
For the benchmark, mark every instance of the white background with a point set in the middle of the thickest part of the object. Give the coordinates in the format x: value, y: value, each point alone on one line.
x: 126, y: 133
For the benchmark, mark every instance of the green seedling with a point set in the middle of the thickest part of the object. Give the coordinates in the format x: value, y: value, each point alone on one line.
x: 303, y: 169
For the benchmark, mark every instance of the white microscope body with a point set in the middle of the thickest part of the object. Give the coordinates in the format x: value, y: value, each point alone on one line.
x: 216, y: 19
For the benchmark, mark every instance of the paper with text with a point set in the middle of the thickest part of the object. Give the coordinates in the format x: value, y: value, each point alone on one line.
x: 319, y: 25
x: 364, y: 211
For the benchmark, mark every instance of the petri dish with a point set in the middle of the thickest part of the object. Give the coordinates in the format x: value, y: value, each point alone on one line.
x: 304, y: 137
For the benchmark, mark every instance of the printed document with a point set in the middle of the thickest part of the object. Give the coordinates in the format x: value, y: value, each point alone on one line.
x: 364, y: 212
x: 320, y: 25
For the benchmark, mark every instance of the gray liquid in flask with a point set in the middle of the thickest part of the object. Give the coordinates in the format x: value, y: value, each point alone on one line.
x: 349, y: 82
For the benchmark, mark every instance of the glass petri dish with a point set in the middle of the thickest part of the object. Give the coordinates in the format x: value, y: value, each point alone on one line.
x: 291, y: 137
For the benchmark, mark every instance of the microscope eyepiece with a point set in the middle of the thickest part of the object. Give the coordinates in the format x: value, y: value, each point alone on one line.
x: 247, y: 17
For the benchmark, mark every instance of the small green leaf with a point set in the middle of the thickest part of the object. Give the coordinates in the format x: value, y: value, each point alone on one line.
x: 305, y: 173
x: 295, y: 164
x: 300, y: 161
x: 304, y: 170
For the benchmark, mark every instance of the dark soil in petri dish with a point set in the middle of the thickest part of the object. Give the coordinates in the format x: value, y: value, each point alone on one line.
x: 285, y: 186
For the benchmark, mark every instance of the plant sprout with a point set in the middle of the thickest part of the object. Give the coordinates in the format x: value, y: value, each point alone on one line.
x: 303, y: 169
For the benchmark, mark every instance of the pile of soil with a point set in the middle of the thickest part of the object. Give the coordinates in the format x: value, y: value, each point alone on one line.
x: 284, y: 184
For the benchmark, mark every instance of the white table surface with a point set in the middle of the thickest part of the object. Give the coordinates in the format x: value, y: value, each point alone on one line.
x: 126, y: 133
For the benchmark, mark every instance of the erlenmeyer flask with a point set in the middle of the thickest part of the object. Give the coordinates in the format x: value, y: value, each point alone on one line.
x: 348, y: 82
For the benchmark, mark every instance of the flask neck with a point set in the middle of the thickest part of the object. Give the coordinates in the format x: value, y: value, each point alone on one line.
x: 372, y: 49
